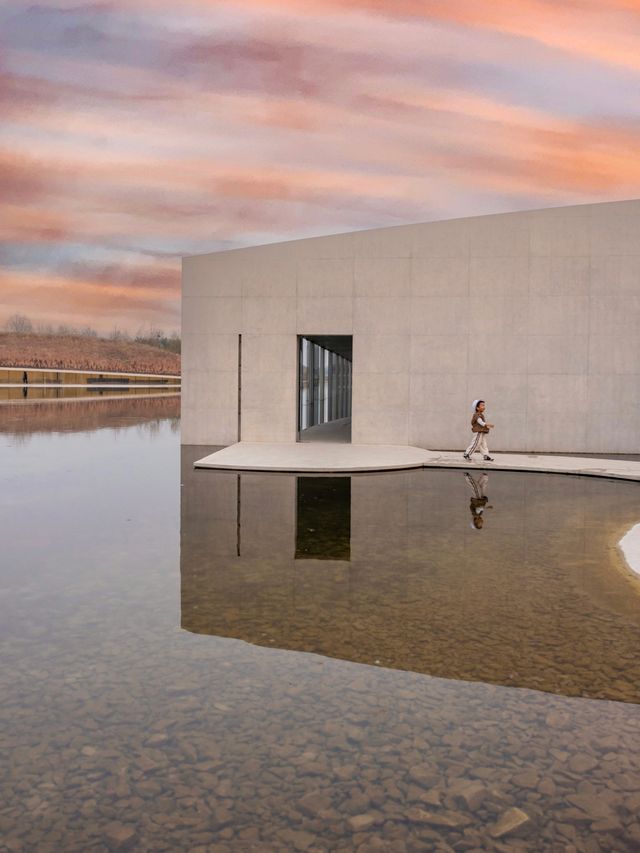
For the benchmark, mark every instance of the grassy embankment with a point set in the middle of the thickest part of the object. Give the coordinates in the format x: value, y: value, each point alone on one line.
x: 77, y: 352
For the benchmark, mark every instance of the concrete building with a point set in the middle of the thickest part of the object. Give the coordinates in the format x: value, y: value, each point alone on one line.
x: 401, y: 328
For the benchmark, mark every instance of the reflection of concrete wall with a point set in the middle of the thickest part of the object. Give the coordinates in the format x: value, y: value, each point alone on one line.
x: 534, y: 599
x: 537, y: 312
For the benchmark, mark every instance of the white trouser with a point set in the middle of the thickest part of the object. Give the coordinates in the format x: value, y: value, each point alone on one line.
x: 478, y: 443
x: 478, y: 485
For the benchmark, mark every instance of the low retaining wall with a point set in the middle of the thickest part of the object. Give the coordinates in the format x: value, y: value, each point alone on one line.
x: 46, y: 376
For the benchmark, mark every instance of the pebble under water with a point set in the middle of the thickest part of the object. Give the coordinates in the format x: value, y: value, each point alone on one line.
x: 205, y: 661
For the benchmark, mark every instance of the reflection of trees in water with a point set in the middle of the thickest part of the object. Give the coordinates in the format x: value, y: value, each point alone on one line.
x: 146, y: 413
x: 21, y: 438
x: 152, y: 428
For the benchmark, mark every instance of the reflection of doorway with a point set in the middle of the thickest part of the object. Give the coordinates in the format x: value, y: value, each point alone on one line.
x: 323, y: 518
x: 324, y: 387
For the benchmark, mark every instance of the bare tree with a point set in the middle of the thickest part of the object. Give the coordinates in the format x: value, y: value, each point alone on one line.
x: 174, y: 344
x: 155, y: 337
x: 19, y: 323
x: 117, y: 334
x: 150, y: 335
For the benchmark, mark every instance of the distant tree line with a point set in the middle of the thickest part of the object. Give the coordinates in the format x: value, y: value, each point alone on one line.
x: 21, y: 324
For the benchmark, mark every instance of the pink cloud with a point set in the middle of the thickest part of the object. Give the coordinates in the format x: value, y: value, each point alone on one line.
x: 605, y: 31
x: 59, y: 299
x: 270, y: 119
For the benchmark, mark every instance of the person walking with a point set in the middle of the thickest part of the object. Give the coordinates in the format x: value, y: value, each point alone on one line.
x: 479, y: 501
x: 480, y: 429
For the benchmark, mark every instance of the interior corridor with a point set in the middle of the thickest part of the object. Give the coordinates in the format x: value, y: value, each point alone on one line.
x: 324, y: 388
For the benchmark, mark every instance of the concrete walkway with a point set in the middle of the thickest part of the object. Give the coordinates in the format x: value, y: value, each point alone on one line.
x: 336, y: 432
x: 345, y: 458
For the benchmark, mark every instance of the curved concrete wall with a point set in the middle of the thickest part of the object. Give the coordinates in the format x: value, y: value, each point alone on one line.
x: 537, y: 312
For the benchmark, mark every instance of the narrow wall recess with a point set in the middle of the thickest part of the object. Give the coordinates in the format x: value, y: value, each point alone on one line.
x: 239, y: 387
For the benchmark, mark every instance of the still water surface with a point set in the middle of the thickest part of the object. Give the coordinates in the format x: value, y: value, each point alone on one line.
x: 196, y: 660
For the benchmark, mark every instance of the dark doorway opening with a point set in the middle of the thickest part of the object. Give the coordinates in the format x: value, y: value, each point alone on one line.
x: 324, y: 387
x: 323, y: 518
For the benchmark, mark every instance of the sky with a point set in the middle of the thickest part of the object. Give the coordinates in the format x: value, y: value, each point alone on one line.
x: 133, y: 132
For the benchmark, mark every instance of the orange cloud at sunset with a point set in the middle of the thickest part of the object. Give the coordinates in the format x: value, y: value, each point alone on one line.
x: 577, y: 27
x: 75, y: 300
x: 131, y: 138
x: 606, y: 31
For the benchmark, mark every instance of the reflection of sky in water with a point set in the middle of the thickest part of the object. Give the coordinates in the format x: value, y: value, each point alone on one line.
x: 89, y: 502
x: 125, y: 731
x: 630, y: 547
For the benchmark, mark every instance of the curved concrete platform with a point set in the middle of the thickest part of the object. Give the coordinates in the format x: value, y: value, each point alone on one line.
x: 324, y: 458
x: 319, y: 457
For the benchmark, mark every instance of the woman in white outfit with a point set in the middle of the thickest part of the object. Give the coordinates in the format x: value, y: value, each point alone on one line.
x: 480, y: 429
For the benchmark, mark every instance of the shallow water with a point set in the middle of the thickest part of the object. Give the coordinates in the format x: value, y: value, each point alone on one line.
x: 47, y: 393
x: 369, y: 711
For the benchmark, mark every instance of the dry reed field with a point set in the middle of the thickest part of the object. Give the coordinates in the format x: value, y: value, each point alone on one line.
x: 75, y: 352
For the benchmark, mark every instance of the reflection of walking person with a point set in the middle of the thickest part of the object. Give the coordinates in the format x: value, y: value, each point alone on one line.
x: 480, y: 429
x: 479, y: 501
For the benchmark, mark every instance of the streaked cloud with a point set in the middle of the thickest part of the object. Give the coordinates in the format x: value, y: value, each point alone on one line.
x: 136, y: 131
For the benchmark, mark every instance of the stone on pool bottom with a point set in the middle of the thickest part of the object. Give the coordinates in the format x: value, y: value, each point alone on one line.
x: 126, y: 733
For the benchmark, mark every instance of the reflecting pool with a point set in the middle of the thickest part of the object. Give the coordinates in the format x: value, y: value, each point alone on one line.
x: 536, y: 596
x: 199, y: 660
